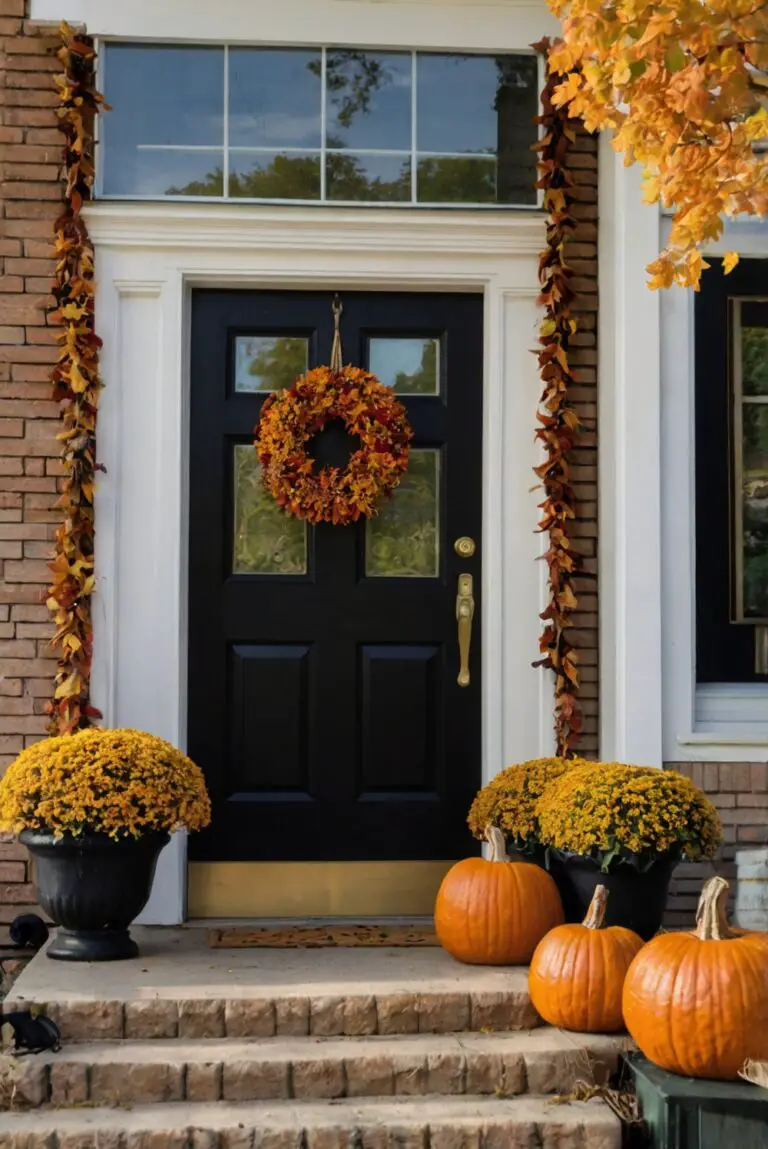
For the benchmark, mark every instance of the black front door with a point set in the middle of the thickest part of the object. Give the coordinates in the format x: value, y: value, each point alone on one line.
x: 324, y: 705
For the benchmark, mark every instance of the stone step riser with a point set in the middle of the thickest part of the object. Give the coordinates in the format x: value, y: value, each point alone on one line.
x: 472, y: 1124
x: 65, y: 1083
x: 352, y: 1016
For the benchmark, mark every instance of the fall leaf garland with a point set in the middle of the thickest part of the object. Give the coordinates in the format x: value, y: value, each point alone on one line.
x: 77, y: 385
x: 558, y: 421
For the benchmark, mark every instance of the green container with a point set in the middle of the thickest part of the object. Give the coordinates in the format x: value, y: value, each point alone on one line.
x: 690, y: 1113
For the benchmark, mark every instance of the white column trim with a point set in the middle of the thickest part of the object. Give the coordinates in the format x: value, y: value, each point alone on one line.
x: 629, y: 419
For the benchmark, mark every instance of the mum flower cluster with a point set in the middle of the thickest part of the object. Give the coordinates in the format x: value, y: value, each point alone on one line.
x: 509, y: 800
x: 119, y: 782
x: 368, y: 410
x: 622, y: 810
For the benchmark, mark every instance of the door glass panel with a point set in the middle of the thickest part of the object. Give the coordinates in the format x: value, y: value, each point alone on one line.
x: 269, y: 362
x: 750, y: 376
x: 410, y: 365
x: 266, y: 539
x: 403, y: 540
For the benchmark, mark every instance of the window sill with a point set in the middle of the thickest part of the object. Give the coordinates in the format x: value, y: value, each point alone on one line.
x: 731, y: 723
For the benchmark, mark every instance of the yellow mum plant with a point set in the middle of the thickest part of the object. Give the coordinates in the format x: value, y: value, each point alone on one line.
x: 628, y: 814
x: 119, y: 782
x: 509, y: 800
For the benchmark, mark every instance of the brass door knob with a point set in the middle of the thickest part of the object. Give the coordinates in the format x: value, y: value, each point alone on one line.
x: 465, y: 547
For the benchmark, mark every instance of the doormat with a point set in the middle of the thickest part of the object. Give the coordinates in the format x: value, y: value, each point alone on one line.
x: 304, y: 936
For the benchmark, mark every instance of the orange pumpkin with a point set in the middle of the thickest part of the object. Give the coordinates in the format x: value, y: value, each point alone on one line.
x: 493, y: 911
x: 697, y: 1003
x: 577, y: 972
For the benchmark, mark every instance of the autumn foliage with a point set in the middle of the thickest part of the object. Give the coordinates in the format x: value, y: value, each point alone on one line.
x: 76, y: 386
x: 558, y: 421
x: 684, y: 86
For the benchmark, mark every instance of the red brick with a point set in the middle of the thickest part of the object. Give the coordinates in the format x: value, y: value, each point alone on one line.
x: 12, y: 336
x: 24, y: 228
x: 10, y: 247
x: 44, y: 136
x: 12, y: 8
x: 39, y: 687
x: 22, y: 308
x: 9, y: 26
x: 758, y: 775
x: 44, y: 100
x: 30, y: 209
x: 33, y: 62
x: 28, y: 571
x: 22, y: 592
x: 26, y: 613
x: 12, y: 872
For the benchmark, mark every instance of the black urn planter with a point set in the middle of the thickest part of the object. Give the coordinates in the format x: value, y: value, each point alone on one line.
x: 92, y: 888
x: 636, y: 899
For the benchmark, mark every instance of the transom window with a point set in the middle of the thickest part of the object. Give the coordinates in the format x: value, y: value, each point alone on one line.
x: 340, y: 125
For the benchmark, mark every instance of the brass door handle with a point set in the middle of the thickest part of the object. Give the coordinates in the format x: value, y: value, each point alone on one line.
x: 465, y: 612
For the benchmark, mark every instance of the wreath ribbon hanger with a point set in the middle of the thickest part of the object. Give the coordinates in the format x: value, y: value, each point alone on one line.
x: 337, y: 359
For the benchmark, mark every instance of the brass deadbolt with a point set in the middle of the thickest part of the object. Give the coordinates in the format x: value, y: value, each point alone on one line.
x: 464, y: 547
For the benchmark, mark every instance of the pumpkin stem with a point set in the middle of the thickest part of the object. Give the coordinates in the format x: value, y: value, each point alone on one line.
x: 711, y: 917
x: 498, y: 844
x: 596, y: 912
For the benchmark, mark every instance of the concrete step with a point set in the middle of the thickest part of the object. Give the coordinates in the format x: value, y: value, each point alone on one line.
x: 409, y: 1123
x: 179, y: 987
x: 306, y: 1069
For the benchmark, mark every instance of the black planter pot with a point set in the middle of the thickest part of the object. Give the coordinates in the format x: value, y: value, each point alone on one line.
x: 636, y: 900
x: 92, y: 888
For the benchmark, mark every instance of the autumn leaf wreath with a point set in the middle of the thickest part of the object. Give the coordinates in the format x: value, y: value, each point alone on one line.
x: 368, y: 410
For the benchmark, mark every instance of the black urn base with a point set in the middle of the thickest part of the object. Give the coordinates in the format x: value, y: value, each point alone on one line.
x: 92, y: 945
x: 93, y: 887
x: 637, y: 899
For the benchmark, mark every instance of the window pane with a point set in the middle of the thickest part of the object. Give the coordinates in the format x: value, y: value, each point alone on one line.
x: 403, y: 540
x: 410, y: 366
x: 369, y: 179
x: 266, y: 175
x: 160, y: 96
x: 466, y: 103
x: 269, y: 362
x: 443, y: 179
x: 368, y: 99
x: 161, y: 172
x: 479, y: 104
x: 754, y: 346
x: 267, y: 540
x: 274, y: 98
x: 755, y: 510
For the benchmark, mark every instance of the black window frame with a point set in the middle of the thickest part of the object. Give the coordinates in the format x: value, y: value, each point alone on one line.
x: 725, y: 650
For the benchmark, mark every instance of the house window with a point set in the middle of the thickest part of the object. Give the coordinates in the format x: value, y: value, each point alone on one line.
x: 306, y: 125
x: 731, y: 320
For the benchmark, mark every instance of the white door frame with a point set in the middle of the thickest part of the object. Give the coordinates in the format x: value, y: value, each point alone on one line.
x: 149, y: 258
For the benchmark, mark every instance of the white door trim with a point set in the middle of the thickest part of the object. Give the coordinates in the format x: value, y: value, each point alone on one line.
x: 149, y: 257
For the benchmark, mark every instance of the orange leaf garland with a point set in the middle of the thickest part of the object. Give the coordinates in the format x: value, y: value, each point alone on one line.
x: 77, y: 385
x: 558, y: 422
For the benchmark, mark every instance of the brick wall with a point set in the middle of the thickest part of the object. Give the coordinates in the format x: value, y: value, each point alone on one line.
x: 740, y: 792
x: 582, y: 257
x: 30, y: 198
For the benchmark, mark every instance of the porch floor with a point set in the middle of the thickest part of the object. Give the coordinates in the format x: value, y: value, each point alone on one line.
x: 177, y: 964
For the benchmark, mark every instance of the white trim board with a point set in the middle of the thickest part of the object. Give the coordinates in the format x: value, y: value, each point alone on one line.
x: 149, y: 258
x: 466, y: 25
